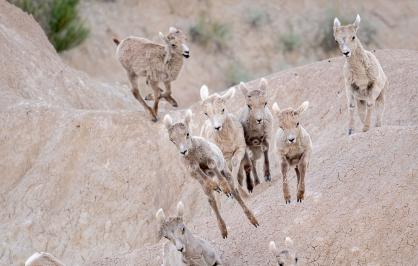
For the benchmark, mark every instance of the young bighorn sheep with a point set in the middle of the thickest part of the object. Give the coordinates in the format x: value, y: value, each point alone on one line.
x: 286, y: 257
x: 204, y: 160
x: 43, y: 259
x: 294, y: 147
x: 157, y: 63
x: 226, y: 131
x: 257, y: 120
x: 192, y: 249
x: 365, y: 80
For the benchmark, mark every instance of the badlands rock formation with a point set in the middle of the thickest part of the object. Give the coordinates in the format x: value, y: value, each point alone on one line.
x: 83, y: 170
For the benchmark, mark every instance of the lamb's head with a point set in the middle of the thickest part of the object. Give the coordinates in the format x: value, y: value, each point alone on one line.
x: 346, y: 36
x: 214, y: 106
x: 179, y: 133
x: 289, y: 121
x: 256, y: 100
x: 176, y: 41
x: 286, y: 257
x: 173, y: 228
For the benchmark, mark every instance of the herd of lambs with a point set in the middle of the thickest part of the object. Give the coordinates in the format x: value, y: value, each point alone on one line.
x: 230, y: 146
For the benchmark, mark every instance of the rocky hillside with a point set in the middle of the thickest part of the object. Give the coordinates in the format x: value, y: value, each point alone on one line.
x: 83, y: 170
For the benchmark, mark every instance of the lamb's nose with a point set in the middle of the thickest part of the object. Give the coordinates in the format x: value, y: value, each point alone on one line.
x: 218, y: 128
x: 291, y: 139
x: 183, y: 152
x: 181, y: 250
x: 259, y: 120
x: 346, y: 53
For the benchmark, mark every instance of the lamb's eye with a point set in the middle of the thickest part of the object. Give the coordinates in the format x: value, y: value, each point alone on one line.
x: 187, y: 135
x: 206, y: 114
x: 297, y: 124
x: 336, y: 41
x: 167, y: 237
x: 265, y: 104
x: 249, y: 107
x: 223, y: 110
x: 173, y: 45
x: 354, y: 37
x: 183, y: 230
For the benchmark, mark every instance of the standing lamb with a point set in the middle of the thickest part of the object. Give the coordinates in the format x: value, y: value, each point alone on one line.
x: 257, y: 120
x: 365, y: 80
x: 184, y: 248
x: 286, y: 257
x: 226, y: 131
x: 43, y: 259
x: 204, y: 160
x: 157, y: 63
x: 294, y: 147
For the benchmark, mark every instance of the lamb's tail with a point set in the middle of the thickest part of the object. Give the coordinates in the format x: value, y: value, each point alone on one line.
x: 116, y: 41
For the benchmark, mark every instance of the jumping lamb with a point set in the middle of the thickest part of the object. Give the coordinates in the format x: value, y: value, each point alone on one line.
x: 294, y: 147
x: 157, y: 63
x: 286, y: 257
x: 257, y: 120
x: 204, y: 160
x: 365, y: 81
x: 43, y: 259
x: 226, y: 131
x: 184, y: 248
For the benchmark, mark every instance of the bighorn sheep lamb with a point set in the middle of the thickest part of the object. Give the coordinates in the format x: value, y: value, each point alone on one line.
x: 43, y: 259
x: 294, y: 147
x: 204, y: 160
x: 365, y: 80
x: 257, y: 120
x: 286, y: 257
x: 226, y: 131
x: 157, y: 63
x: 193, y: 250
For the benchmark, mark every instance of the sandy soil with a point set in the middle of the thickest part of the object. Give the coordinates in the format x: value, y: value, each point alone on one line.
x: 83, y: 170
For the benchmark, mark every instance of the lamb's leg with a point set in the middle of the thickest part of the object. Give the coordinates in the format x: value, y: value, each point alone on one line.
x: 380, y: 108
x: 254, y: 170
x: 285, y: 167
x: 167, y: 94
x: 236, y: 165
x: 302, y: 166
x: 246, y: 167
x: 267, y: 176
x: 297, y: 175
x: 351, y: 109
x: 361, y: 109
x: 133, y: 78
x: 157, y: 94
x: 369, y: 111
x: 227, y: 176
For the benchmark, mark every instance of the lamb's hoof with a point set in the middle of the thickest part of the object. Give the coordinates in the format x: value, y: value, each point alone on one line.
x: 299, y: 200
x: 365, y: 128
x: 350, y: 131
x: 154, y: 119
x: 257, y: 182
x: 287, y: 201
x: 224, y: 235
x: 254, y: 222
x: 218, y: 189
x: 267, y: 178
x: 250, y: 189
x: 149, y: 97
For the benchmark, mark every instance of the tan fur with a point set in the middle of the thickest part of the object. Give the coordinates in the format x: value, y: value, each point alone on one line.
x: 226, y: 131
x: 204, y: 160
x: 287, y: 256
x: 364, y: 78
x: 294, y: 147
x: 157, y: 63
x: 257, y: 122
x: 184, y: 248
x: 43, y: 259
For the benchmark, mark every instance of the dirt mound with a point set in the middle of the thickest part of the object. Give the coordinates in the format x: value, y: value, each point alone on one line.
x: 84, y: 170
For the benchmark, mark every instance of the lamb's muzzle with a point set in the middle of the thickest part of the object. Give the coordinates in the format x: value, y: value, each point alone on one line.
x: 186, y: 51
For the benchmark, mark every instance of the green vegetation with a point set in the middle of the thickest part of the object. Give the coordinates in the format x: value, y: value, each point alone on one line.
x: 290, y: 40
x: 235, y: 73
x: 59, y: 19
x: 257, y: 17
x: 207, y: 32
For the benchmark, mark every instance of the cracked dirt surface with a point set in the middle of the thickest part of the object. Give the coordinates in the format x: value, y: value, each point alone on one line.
x: 83, y: 170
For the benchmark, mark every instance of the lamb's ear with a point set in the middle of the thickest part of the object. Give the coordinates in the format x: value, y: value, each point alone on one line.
x: 288, y: 242
x: 180, y: 209
x: 302, y: 108
x: 172, y: 30
x: 160, y: 215
x: 229, y: 94
x: 168, y: 121
x: 188, y: 117
x: 276, y: 108
x: 263, y: 85
x: 337, y: 24
x: 162, y: 37
x: 356, y: 23
x: 273, y: 248
x: 243, y: 88
x: 204, y: 92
